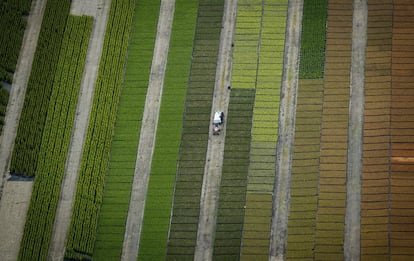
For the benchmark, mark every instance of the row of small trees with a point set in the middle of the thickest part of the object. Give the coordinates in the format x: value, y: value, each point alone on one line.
x: 39, y: 88
x: 157, y: 212
x: 56, y: 138
x: 12, y: 25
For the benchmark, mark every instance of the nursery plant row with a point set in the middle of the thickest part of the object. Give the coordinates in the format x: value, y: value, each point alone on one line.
x: 12, y: 25
x: 39, y: 88
x: 187, y: 193
x: 56, y: 138
x: 95, y: 157
x: 172, y: 205
x: 123, y: 152
x: 233, y: 186
x: 264, y: 62
x: 158, y: 204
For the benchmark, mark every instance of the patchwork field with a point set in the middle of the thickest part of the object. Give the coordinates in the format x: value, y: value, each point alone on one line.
x: 269, y: 37
x: 318, y: 184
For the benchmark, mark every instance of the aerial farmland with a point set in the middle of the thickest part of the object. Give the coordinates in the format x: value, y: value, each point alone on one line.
x: 111, y: 147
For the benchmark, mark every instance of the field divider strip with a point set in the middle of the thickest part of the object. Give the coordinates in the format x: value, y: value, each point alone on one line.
x: 68, y: 188
x: 352, y: 240
x: 215, y: 148
x: 284, y: 149
x: 148, y: 132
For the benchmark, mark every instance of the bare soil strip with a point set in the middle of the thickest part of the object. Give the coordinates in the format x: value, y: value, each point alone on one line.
x: 90, y: 73
x: 215, y: 148
x: 284, y: 149
x: 14, y: 204
x: 148, y: 132
x: 355, y: 132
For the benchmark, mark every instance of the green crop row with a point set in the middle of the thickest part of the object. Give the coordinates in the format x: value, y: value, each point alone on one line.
x: 157, y: 212
x: 4, y: 98
x: 307, y: 136
x: 39, y: 88
x: 265, y: 127
x: 12, y: 25
x: 246, y: 44
x: 186, y: 201
x: 118, y: 179
x: 56, y: 139
x: 88, y: 199
x: 233, y: 185
x: 312, y: 50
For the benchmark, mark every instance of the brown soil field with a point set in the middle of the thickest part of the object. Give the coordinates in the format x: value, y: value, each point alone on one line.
x: 334, y: 134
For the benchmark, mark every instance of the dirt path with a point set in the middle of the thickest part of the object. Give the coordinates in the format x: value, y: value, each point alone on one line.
x: 15, y: 195
x: 287, y: 114
x: 100, y: 10
x: 148, y: 132
x: 215, y: 147
x: 352, y: 248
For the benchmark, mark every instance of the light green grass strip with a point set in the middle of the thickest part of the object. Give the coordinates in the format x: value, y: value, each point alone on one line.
x: 154, y: 233
x: 56, y: 139
x: 118, y: 181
